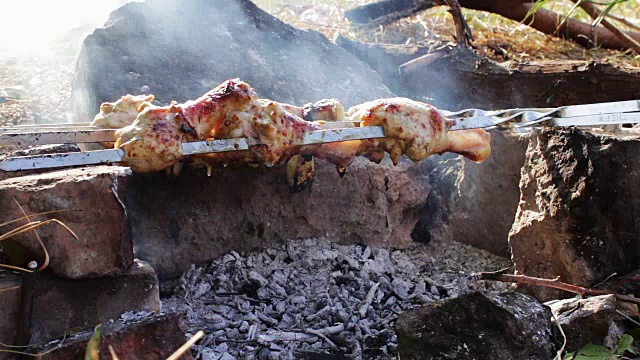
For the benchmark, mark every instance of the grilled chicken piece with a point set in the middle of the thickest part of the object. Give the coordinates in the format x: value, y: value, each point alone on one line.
x: 153, y: 142
x: 301, y: 168
x: 232, y: 110
x: 269, y: 124
x: 415, y: 129
x: 116, y: 115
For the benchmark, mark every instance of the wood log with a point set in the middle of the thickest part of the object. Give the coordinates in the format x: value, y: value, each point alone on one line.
x: 456, y: 78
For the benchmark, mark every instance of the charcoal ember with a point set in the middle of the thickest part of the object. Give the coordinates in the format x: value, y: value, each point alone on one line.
x: 297, y: 300
x: 420, y: 288
x: 401, y: 288
x: 244, y: 327
x: 358, y: 315
x: 233, y: 334
x: 264, y: 354
x: 214, y: 321
x: 226, y: 356
x: 257, y: 279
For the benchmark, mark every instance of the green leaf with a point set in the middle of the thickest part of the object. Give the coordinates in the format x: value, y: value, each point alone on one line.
x: 625, y: 343
x: 93, y: 346
x: 569, y: 356
x: 594, y: 352
x: 539, y: 4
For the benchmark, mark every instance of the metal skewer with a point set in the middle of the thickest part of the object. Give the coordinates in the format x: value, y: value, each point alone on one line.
x: 580, y: 115
x: 189, y: 148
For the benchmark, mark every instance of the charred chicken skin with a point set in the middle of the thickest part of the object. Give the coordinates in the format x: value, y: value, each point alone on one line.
x: 233, y: 110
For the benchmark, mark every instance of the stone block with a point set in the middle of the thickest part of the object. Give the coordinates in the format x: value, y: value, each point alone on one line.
x: 478, y: 325
x: 88, y: 201
x: 577, y: 217
x: 10, y: 301
x: 144, y: 339
x: 193, y: 218
x: 60, y: 305
x: 474, y: 204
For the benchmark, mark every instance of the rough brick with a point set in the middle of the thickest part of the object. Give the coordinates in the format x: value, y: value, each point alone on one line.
x: 577, y: 217
x: 194, y: 218
x: 471, y: 203
x: 146, y: 339
x: 61, y: 304
x: 9, y: 311
x: 89, y: 203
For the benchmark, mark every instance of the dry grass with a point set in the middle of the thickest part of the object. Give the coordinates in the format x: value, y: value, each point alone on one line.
x: 496, y: 37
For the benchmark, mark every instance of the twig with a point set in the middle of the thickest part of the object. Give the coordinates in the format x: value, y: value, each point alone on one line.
x: 186, y: 346
x: 624, y: 21
x: 605, y: 280
x: 320, y: 335
x: 463, y: 34
x: 564, y: 339
x: 301, y: 334
x: 369, y: 299
x: 596, y: 13
x: 38, y: 355
x: 635, y: 322
x: 45, y: 263
x: 114, y: 356
x: 501, y: 275
x: 204, y: 345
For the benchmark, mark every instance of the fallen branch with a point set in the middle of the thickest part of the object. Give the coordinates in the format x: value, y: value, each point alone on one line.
x: 625, y: 22
x: 463, y: 34
x: 501, y: 275
x: 596, y: 13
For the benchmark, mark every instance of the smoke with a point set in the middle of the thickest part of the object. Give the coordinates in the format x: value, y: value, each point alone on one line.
x: 40, y: 41
x: 28, y: 26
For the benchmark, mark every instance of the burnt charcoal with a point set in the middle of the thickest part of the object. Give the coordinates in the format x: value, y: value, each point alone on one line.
x: 401, y: 288
x: 264, y: 354
x: 244, y: 327
x: 309, y: 304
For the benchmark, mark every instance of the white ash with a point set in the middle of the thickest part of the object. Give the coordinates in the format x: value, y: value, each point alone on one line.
x: 316, y: 299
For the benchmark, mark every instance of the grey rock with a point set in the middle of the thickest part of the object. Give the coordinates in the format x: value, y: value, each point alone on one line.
x: 170, y: 48
x: 478, y: 325
x: 585, y: 321
x: 89, y: 200
x: 375, y: 204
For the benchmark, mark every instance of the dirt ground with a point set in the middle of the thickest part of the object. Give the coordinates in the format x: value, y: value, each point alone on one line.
x: 35, y: 83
